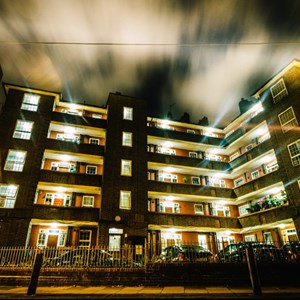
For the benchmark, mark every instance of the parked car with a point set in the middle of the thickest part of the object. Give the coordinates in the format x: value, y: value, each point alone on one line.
x: 236, y: 252
x: 191, y: 253
x: 92, y: 258
x: 79, y: 258
x: 292, y: 251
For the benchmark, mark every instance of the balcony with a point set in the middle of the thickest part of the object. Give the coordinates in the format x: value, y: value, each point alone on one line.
x: 235, y: 135
x: 189, y: 189
x: 59, y: 145
x: 183, y: 136
x: 187, y: 161
x: 71, y: 178
x: 65, y: 213
x: 258, y: 183
x: 252, y: 154
x: 78, y: 120
x: 267, y: 216
x: 192, y: 221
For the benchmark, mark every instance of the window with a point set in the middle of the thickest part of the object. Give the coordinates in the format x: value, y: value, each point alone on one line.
x: 8, y: 195
x: 278, y: 91
x: 85, y: 238
x: 15, y: 161
x: 287, y: 119
x: 30, y: 102
x: 127, y: 139
x: 169, y: 207
x: 97, y: 116
x: 23, y: 130
x: 49, y: 199
x: 199, y: 209
x: 239, y: 181
x: 91, y: 170
x: 94, y: 141
x: 254, y: 174
x: 250, y: 238
x: 294, y: 150
x: 88, y: 201
x: 195, y: 180
x: 234, y: 156
x: 126, y: 167
x: 244, y: 209
x: 127, y: 113
x: 125, y: 199
x: 42, y: 238
x: 191, y: 131
x: 249, y: 147
x: 193, y: 154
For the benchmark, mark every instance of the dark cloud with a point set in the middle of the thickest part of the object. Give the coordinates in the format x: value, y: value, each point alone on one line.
x: 195, y: 56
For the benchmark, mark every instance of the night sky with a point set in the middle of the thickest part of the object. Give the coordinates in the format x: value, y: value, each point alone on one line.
x: 199, y: 57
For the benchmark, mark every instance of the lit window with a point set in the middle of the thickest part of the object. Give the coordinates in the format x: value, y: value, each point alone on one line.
x: 127, y: 139
x: 239, y: 181
x: 23, y: 130
x: 127, y: 113
x: 30, y: 102
x: 193, y: 154
x: 199, y: 209
x: 85, y: 238
x: 8, y: 195
x: 126, y: 167
x: 49, y: 199
x: 278, y: 91
x: 244, y: 209
x: 287, y: 119
x: 125, y: 199
x: 88, y: 201
x: 254, y: 174
x: 249, y: 147
x: 195, y: 180
x: 234, y: 156
x: 191, y: 131
x: 91, y: 170
x: 94, y: 141
x: 41, y: 241
x: 294, y: 150
x: 15, y: 161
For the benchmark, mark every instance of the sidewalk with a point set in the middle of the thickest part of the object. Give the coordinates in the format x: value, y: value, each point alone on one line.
x: 142, y: 292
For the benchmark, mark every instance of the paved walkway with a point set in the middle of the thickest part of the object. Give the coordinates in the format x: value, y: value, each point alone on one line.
x: 142, y: 292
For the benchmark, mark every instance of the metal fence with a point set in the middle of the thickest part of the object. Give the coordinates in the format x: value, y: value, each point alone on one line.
x: 146, y: 255
x: 66, y: 257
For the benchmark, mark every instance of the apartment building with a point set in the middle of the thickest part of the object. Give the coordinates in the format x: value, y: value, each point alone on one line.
x: 79, y: 175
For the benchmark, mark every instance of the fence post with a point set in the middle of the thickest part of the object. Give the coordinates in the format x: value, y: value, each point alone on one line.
x: 253, y: 272
x: 35, y: 274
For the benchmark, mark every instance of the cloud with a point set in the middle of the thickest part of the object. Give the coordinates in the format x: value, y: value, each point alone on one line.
x: 196, y: 56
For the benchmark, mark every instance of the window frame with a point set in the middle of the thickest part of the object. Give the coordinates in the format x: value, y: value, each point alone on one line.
x: 197, y: 178
x: 89, y: 167
x: 125, y: 203
x: 23, y: 134
x: 92, y: 200
x: 127, y: 139
x: 198, y: 212
x: 285, y: 126
x: 92, y: 140
x: 84, y: 243
x: 126, y: 167
x: 28, y: 102
x: 127, y: 113
x: 15, y: 163
x: 280, y: 94
x: 297, y: 155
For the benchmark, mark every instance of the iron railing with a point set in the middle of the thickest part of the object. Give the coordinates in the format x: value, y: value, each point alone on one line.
x: 146, y: 255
